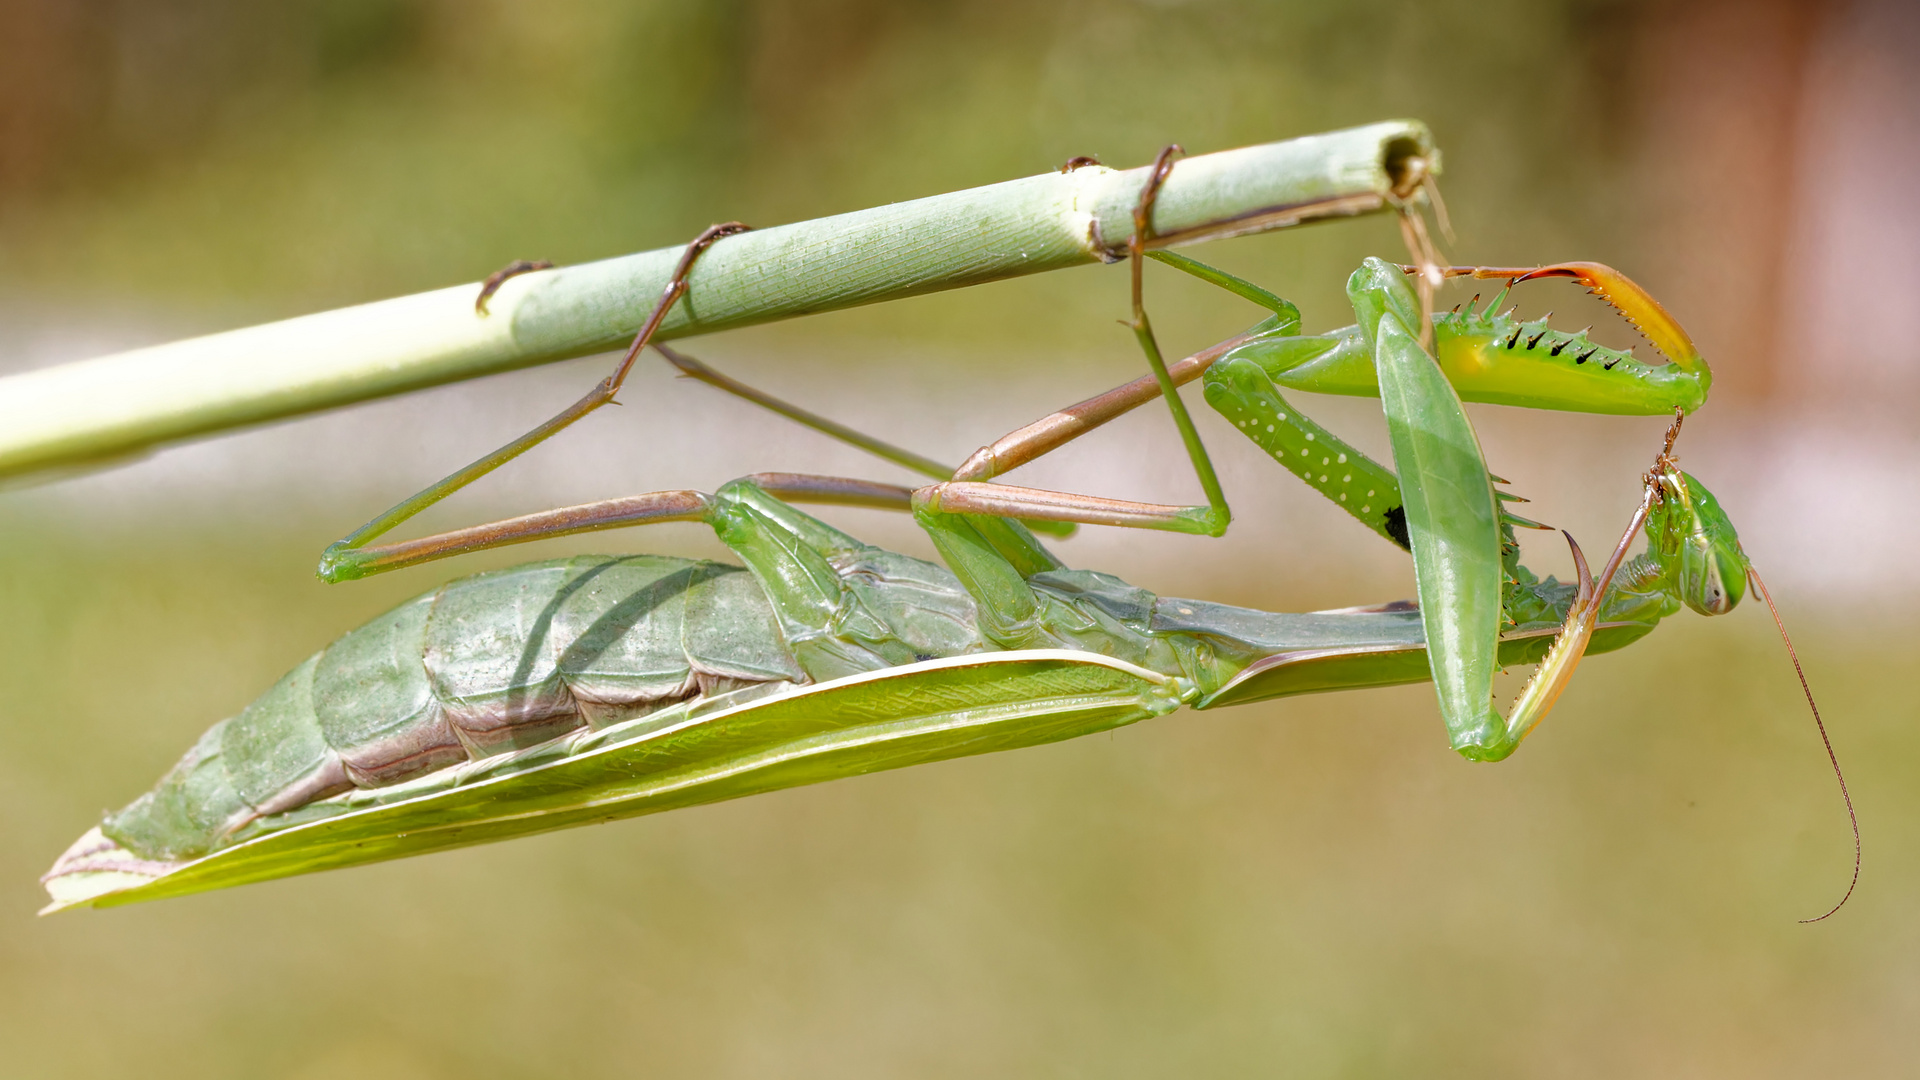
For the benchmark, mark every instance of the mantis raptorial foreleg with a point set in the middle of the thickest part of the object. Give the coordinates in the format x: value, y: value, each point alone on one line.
x: 1634, y: 304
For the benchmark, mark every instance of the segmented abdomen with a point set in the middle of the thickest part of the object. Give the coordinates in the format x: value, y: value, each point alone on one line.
x: 479, y: 667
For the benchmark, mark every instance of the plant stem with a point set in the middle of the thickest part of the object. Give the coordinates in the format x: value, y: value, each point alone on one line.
x: 94, y: 411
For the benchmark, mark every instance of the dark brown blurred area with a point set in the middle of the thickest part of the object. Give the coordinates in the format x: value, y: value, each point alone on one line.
x: 1721, y: 89
x: 98, y: 88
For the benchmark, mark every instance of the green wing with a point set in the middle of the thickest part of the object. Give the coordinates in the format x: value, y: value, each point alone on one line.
x: 719, y: 748
x: 1453, y: 519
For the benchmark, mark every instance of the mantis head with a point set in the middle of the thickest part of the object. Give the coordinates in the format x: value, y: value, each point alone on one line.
x: 1690, y: 535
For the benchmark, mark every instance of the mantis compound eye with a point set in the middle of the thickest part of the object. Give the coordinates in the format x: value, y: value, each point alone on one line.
x: 1712, y: 579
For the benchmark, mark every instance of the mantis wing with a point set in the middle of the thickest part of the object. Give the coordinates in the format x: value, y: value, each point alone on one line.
x: 1453, y: 518
x: 718, y: 749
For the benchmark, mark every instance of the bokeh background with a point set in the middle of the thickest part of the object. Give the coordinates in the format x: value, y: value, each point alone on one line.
x: 1308, y: 888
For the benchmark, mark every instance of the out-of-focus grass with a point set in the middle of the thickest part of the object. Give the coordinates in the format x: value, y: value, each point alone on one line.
x: 1317, y: 885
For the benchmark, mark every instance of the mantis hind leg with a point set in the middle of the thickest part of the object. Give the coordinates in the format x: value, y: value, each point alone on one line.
x: 345, y: 558
x: 833, y: 429
x: 842, y: 606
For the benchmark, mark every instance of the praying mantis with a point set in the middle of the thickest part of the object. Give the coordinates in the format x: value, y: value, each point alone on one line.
x: 583, y: 690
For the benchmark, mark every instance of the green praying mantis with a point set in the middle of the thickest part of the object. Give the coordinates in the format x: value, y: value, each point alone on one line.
x: 587, y: 689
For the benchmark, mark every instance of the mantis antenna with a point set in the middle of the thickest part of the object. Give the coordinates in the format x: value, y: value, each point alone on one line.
x: 1852, y: 818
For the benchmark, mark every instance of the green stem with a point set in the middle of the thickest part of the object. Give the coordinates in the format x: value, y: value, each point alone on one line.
x: 94, y: 411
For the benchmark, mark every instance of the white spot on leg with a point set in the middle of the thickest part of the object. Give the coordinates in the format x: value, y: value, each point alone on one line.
x: 1343, y: 459
x: 1309, y: 436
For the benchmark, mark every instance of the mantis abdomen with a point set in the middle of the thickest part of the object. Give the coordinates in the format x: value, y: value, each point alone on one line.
x: 478, y: 668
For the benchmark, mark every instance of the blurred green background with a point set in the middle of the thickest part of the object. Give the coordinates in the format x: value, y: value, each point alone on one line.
x: 1314, y: 887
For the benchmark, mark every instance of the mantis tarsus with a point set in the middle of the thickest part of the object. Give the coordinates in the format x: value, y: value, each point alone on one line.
x: 588, y: 689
